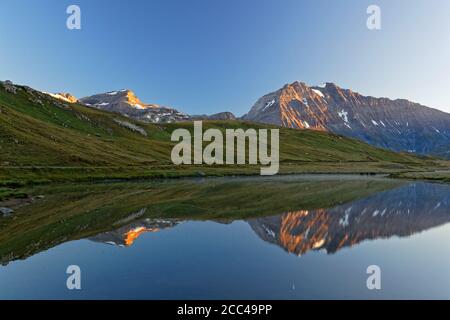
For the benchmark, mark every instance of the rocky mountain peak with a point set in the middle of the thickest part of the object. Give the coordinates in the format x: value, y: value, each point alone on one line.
x: 127, y: 103
x: 119, y: 99
x: 399, y: 125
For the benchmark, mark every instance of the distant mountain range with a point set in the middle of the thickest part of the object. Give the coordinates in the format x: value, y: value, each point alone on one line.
x: 38, y: 129
x: 398, y: 125
x: 128, y: 104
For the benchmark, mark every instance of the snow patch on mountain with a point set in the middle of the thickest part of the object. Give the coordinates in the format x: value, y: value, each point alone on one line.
x: 344, y: 115
x: 269, y: 104
x: 319, y: 93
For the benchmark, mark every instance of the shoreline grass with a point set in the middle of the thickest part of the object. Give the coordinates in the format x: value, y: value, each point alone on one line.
x: 13, y: 181
x: 19, y: 176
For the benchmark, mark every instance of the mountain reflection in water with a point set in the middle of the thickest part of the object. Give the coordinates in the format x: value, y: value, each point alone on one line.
x: 229, y: 238
x: 402, y: 212
x: 125, y: 236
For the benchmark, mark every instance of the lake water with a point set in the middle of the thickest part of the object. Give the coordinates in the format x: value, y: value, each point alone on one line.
x: 294, y: 237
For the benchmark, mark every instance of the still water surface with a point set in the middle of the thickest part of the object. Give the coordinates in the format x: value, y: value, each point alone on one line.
x: 309, y: 237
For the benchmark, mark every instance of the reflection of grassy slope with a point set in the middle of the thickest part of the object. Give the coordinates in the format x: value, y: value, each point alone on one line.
x: 56, y: 141
x: 7, y: 193
x: 71, y: 212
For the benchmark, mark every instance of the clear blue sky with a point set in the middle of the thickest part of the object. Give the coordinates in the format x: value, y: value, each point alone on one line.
x: 206, y: 56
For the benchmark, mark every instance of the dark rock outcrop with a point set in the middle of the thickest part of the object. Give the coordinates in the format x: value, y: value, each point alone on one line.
x: 216, y: 116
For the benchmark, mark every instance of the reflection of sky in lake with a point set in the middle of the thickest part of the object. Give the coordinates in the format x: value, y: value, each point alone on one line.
x: 248, y: 259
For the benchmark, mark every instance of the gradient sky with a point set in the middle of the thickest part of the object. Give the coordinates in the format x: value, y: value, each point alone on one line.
x: 206, y: 56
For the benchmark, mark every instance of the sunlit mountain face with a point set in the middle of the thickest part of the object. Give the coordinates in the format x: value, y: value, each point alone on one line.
x: 400, y: 212
x: 399, y: 125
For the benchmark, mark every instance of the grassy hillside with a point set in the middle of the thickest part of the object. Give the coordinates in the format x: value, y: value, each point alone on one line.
x: 42, y: 138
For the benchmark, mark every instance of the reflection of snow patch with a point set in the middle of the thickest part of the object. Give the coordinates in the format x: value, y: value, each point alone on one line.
x: 269, y: 232
x: 307, y: 233
x: 305, y: 101
x: 318, y: 243
x: 344, y: 221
